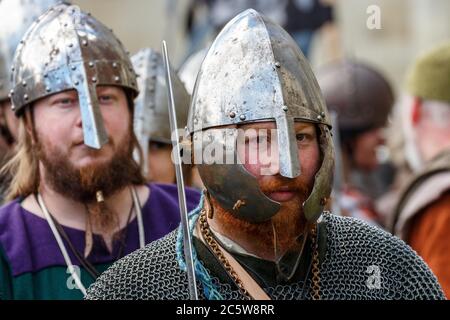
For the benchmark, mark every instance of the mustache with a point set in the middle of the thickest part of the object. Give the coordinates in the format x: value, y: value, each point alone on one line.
x: 79, y: 142
x: 280, y: 183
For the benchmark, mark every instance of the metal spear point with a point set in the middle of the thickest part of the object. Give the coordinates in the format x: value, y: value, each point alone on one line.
x: 180, y: 182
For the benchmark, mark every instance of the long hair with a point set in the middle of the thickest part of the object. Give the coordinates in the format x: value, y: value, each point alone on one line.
x: 23, y: 168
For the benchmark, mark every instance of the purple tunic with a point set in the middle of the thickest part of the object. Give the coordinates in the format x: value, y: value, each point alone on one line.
x: 30, y: 246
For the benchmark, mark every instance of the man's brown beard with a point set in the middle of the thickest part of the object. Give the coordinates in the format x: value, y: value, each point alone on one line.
x: 288, y: 223
x: 81, y: 184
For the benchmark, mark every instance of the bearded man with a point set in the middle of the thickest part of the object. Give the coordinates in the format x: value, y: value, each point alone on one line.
x: 362, y: 99
x: 260, y: 231
x: 78, y: 198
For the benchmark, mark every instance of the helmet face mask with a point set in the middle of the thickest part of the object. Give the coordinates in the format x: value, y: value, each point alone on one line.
x: 226, y: 177
x: 255, y: 72
x: 76, y: 52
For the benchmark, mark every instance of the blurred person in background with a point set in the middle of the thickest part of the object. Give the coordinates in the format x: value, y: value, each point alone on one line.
x: 151, y: 117
x: 205, y: 18
x: 386, y: 202
x: 302, y: 19
x: 422, y: 215
x: 306, y: 17
x: 361, y: 98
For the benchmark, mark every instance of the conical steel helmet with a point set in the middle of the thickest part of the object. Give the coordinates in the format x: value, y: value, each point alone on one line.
x: 66, y: 49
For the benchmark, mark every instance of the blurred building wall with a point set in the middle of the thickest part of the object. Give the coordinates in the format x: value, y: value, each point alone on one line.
x: 407, y: 28
x: 142, y: 23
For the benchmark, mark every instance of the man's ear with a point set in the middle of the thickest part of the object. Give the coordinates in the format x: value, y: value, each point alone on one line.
x: 416, y: 111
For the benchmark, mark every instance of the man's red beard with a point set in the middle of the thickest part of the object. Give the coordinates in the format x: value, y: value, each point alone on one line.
x: 82, y: 183
x: 288, y: 224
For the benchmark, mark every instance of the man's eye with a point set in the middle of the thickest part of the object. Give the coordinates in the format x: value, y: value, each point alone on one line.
x: 105, y: 99
x: 153, y: 145
x: 65, y: 101
x: 301, y: 137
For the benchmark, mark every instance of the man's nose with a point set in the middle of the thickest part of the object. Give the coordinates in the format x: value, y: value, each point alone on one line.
x: 270, y: 160
x: 78, y: 121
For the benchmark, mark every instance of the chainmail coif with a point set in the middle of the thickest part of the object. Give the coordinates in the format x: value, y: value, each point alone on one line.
x: 353, y: 248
